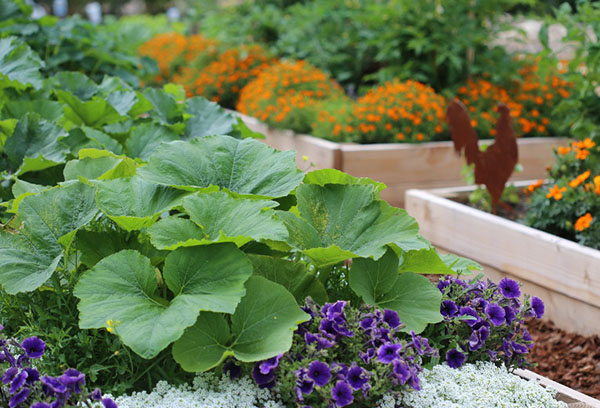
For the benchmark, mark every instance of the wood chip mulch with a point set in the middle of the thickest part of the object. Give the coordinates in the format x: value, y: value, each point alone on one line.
x: 567, y: 358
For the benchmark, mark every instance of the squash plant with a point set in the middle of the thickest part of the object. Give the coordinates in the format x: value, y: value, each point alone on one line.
x: 211, y: 245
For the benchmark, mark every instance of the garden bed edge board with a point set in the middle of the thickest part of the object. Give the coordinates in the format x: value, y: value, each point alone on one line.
x: 565, y: 273
x: 401, y: 166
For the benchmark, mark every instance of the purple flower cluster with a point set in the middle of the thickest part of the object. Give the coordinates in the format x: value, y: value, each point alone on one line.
x: 22, y: 385
x: 485, y: 321
x: 343, y: 355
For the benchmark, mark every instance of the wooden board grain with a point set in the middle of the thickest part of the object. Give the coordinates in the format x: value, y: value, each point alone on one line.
x: 561, y: 267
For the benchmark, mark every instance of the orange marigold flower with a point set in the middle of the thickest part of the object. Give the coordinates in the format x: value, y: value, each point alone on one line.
x: 581, y: 154
x: 597, y: 184
x: 583, y: 222
x: 580, y: 179
x: 556, y: 192
x: 562, y: 150
x: 586, y: 143
x: 532, y: 187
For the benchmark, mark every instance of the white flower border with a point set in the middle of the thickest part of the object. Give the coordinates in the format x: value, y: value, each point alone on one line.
x: 472, y: 386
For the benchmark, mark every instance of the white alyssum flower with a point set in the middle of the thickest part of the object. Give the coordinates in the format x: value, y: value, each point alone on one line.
x: 478, y: 385
x: 206, y: 391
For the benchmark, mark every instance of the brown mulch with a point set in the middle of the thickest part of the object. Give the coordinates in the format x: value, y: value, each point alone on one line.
x: 567, y: 358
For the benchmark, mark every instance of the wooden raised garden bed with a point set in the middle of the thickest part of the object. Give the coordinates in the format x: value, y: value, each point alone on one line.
x: 573, y: 398
x: 564, y: 274
x: 400, y: 166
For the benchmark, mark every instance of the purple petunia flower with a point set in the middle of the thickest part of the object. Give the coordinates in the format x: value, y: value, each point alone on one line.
x: 34, y: 347
x: 509, y: 314
x: 519, y: 348
x: 9, y: 375
x: 367, y: 323
x: 263, y: 380
x: 356, y: 377
x: 231, y: 368
x: 18, y: 381
x: 269, y: 365
x: 401, y: 371
x: 33, y: 375
x: 391, y: 318
x: 319, y: 372
x: 509, y: 288
x: 442, y: 285
x: 469, y: 311
x: 496, y: 314
x: 19, y: 398
x: 41, y: 405
x: 388, y: 352
x: 321, y: 341
x: 538, y: 306
x: 334, y: 329
x: 96, y: 395
x: 367, y: 356
x: 342, y: 394
x: 448, y: 308
x: 305, y: 386
x: 527, y: 336
x: 478, y: 337
x: 108, y: 403
x: 52, y: 387
x: 455, y: 358
x: 506, y: 347
x: 72, y: 379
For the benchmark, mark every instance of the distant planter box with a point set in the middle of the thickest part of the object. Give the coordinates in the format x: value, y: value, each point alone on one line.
x: 573, y: 398
x: 400, y: 166
x: 564, y: 274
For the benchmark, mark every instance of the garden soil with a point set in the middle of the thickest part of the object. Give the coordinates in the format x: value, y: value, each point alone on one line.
x: 567, y: 358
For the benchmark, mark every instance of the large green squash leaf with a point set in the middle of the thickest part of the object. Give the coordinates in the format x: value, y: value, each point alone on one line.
x: 261, y: 327
x: 413, y: 296
x: 35, y: 145
x: 164, y: 104
x: 145, y: 139
x: 333, y: 176
x: 49, y: 110
x: 207, y: 119
x: 77, y: 84
x: 134, y: 203
x: 49, y: 219
x: 19, y: 65
x: 339, y: 221
x: 123, y: 288
x: 96, y: 164
x: 93, y: 113
x: 294, y: 276
x: 219, y: 217
x: 242, y: 166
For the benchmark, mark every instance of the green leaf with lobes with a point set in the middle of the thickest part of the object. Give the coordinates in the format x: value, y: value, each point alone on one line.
x: 48, y: 220
x: 245, y: 166
x: 413, y: 296
x: 261, y: 327
x: 123, y: 288
x: 339, y: 221
x: 134, y: 203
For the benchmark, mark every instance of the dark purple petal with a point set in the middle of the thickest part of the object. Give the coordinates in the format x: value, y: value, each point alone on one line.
x: 391, y: 318
x: 448, y: 308
x: 509, y: 314
x: 52, y: 387
x: 496, y: 314
x: 469, y: 311
x: 231, y: 368
x: 357, y: 377
x: 367, y: 356
x: 34, y: 347
x: 19, y: 398
x: 96, y: 395
x: 401, y: 371
x: 519, y: 348
x: 388, y: 352
x: 33, y: 375
x: 509, y: 288
x: 18, y: 382
x: 9, y: 375
x: 455, y: 358
x: 342, y: 394
x: 319, y: 372
x: 538, y: 306
x: 41, y: 405
x: 270, y: 364
x: 108, y: 403
x: 260, y: 378
x: 72, y: 379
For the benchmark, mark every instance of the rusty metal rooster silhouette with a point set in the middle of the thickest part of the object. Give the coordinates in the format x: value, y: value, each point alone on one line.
x: 494, y: 166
